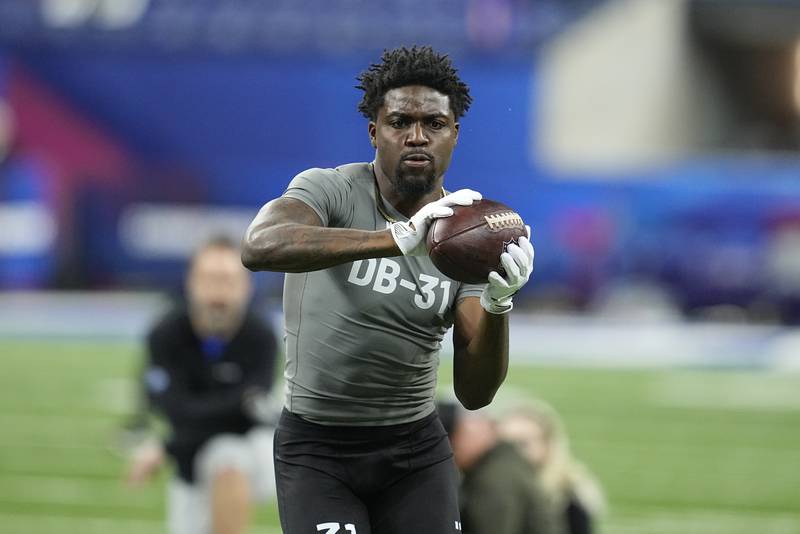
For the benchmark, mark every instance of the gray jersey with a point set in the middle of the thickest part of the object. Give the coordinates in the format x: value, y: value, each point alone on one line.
x: 363, y: 338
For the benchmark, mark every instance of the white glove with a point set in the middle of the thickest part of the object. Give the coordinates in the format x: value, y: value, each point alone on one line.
x: 517, y: 261
x: 410, y: 236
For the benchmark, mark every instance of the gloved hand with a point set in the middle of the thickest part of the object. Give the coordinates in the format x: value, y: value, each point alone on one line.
x: 410, y: 236
x: 517, y: 261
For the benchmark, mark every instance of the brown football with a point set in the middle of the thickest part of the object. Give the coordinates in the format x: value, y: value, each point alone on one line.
x: 467, y: 245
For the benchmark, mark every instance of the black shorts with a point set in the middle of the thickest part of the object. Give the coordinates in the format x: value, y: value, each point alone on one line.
x: 397, y: 479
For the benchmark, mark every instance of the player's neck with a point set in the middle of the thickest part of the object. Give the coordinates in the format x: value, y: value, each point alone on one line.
x: 406, y: 203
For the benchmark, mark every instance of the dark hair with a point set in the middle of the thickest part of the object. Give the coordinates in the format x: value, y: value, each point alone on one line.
x: 418, y: 65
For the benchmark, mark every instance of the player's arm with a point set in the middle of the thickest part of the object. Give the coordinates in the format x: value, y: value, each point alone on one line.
x: 480, y: 342
x: 287, y: 235
x: 480, y: 333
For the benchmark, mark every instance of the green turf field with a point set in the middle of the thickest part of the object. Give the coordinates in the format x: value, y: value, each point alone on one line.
x: 678, y: 452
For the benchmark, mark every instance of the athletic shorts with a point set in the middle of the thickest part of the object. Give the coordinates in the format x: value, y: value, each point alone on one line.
x: 397, y: 479
x: 189, y: 505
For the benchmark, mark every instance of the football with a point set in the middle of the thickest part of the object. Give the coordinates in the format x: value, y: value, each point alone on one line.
x: 467, y: 245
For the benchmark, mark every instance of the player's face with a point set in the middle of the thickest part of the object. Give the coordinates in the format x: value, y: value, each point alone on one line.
x: 414, y: 134
x: 218, y: 290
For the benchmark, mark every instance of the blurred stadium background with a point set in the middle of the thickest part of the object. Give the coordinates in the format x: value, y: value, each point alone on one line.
x: 652, y: 145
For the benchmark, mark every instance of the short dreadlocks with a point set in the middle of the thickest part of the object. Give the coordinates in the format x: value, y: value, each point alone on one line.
x: 418, y: 65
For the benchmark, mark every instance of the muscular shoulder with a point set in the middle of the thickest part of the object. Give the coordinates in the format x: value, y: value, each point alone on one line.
x: 322, y: 174
x: 357, y: 174
x: 351, y: 175
x: 330, y: 192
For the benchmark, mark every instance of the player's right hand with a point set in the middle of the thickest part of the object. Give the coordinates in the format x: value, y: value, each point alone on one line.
x: 410, y: 236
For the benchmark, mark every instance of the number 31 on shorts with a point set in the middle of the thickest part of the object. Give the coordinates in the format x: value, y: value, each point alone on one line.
x: 334, y: 528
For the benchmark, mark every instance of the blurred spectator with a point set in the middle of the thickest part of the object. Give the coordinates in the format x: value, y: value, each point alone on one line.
x: 209, y: 373
x: 6, y: 130
x: 28, y: 239
x: 539, y: 434
x: 500, y: 491
x: 782, y: 261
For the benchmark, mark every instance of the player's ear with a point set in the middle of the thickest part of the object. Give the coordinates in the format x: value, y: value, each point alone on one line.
x: 372, y: 132
x: 457, y: 128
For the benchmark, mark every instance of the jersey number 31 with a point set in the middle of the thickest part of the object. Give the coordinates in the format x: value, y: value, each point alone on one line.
x: 333, y: 528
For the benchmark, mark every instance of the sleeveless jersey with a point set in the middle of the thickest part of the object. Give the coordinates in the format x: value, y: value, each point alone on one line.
x: 363, y: 338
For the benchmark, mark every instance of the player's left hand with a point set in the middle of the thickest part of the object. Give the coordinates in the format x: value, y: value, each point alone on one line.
x: 517, y: 261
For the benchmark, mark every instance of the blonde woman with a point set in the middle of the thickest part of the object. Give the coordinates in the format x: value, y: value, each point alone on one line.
x: 538, y: 431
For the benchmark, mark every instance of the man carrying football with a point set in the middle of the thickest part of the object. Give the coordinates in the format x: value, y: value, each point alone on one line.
x: 359, y: 448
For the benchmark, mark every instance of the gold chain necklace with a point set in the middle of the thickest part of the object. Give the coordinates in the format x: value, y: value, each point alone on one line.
x: 379, y: 198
